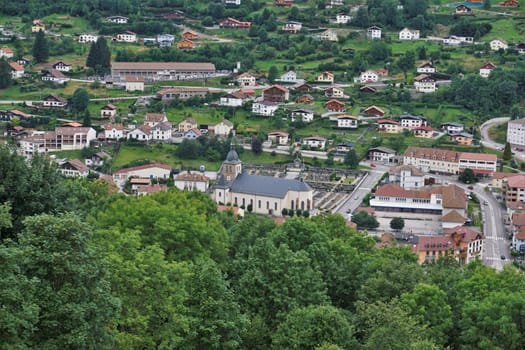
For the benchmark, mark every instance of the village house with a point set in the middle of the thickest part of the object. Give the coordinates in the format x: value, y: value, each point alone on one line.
x: 193, y: 134
x: 331, y: 3
x: 334, y: 92
x: 514, y: 189
x: 454, y: 40
x: 246, y: 79
x: 17, y: 71
x: 108, y: 111
x: 463, y: 10
x: 452, y: 128
x: 305, y: 99
x: 126, y: 37
x: 278, y: 137
x: 516, y: 132
x: 463, y: 138
x: 305, y: 87
x: 509, y: 3
x: 6, y: 52
x: 140, y: 133
x: 407, y: 176
x: 54, y: 101
x: 117, y: 19
x: 192, y: 182
x: 314, y: 142
x: 181, y: 93
x: 149, y: 171
x: 289, y: 77
x: 61, y: 66
x: 265, y: 108
x: 328, y: 35
x: 232, y: 23
x: 409, y: 34
x: 368, y: 76
x: 134, y: 83
x: 423, y: 132
x: 343, y: 147
x: 389, y: 126
x: 275, y: 93
x: 342, y: 18
x: 186, y: 125
x: 54, y: 76
x: 233, y: 99
x: 223, y: 128
x: 367, y: 89
x: 426, y: 67
x: 498, y: 44
x: 188, y: 34
x: 97, y: 159
x: 304, y: 114
x: 325, y: 77
x: 373, y: 32
x: 412, y: 121
x: 73, y: 168
x: 232, y: 3
x: 375, y: 111
x: 161, y: 132
x: 262, y: 194
x: 486, y: 69
x: 292, y: 27
x: 425, y: 83
x: 87, y: 38
x: 38, y: 26
x: 335, y: 106
x: 152, y: 119
x: 61, y: 139
x: 7, y: 116
x: 165, y: 40
x: 185, y: 44
x: 382, y: 154
x: 347, y: 122
x: 113, y: 131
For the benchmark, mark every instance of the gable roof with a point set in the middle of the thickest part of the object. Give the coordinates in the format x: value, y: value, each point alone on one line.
x: 154, y: 117
x: 488, y: 65
x: 267, y: 186
x: 77, y: 165
x: 453, y: 216
x: 192, y: 177
x: 142, y: 167
x: 16, y: 67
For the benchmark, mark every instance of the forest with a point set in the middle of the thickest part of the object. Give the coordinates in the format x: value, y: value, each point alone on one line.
x: 86, y: 268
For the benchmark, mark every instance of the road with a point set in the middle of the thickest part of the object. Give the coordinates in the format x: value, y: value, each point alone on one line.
x: 484, y: 129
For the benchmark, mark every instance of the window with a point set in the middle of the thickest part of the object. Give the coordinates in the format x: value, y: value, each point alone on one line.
x: 259, y: 204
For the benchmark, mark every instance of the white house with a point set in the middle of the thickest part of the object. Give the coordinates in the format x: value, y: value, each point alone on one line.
x: 152, y: 119
x: 73, y: 168
x: 113, y: 131
x: 193, y: 134
x: 148, y: 171
x: 17, y: 71
x: 6, y: 52
x: 223, y: 128
x: 305, y: 114
x: 265, y: 108
x: 161, y: 132
x: 234, y: 99
x: 381, y: 154
x: 192, y: 182
x: 347, y: 122
x: 232, y: 2
x: 497, y: 44
x: 292, y: 27
x: 373, y: 32
x: 165, y: 40
x: 278, y: 137
x: 288, y: 77
x: 117, y: 19
x: 54, y: 101
x: 246, y: 79
x: 54, y: 76
x: 334, y: 92
x: 409, y: 34
x: 407, y: 176
x: 61, y: 66
x: 87, y: 38
x: 97, y: 159
x: 486, y: 69
x: 134, y: 83
x: 342, y: 18
x: 425, y: 68
x: 314, y: 141
x: 412, y: 121
x: 452, y: 128
x: 108, y: 111
x: 425, y: 83
x: 140, y: 133
x: 451, y: 41
x: 127, y: 37
x: 368, y: 76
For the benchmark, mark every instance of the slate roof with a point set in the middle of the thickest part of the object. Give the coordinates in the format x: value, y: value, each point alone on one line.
x: 266, y: 185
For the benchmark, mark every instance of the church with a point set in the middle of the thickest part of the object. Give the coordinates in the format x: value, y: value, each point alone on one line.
x: 264, y: 194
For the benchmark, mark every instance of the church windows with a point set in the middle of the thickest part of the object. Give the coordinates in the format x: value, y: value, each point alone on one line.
x: 302, y: 205
x: 235, y: 201
x: 275, y: 206
x: 243, y: 202
x: 259, y: 204
x: 267, y: 205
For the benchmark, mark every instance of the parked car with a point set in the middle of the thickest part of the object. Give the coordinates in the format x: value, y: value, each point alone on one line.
x: 470, y: 187
x: 485, y: 203
x: 372, y: 165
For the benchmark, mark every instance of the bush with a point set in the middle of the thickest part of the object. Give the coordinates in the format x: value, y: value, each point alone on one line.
x: 284, y: 212
x: 306, y: 213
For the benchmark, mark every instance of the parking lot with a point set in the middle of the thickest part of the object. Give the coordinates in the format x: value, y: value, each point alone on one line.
x: 416, y: 223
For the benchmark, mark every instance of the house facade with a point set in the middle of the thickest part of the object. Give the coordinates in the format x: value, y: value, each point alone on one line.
x: 368, y: 76
x: 292, y: 27
x: 389, y: 126
x: 148, y: 171
x: 289, y: 77
x: 278, y: 137
x: 486, y: 69
x: 452, y: 128
x: 382, y: 154
x: 113, y: 131
x: 409, y: 34
x: 426, y: 68
x: 425, y: 83
x: 265, y: 108
x: 314, y: 142
x: 73, y: 168
x: 192, y: 182
x: 347, y: 122
x: 246, y: 79
x: 498, y: 44
x: 407, y: 176
x: 325, y: 77
x: 232, y: 23
x: 87, y: 38
x: 108, y: 111
x: 276, y: 93
x: 373, y: 32
x: 516, y: 132
x: 304, y: 114
x: 54, y: 101
x: 412, y: 121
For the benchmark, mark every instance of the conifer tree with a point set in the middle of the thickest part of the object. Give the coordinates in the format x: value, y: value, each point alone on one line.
x: 5, y: 74
x: 99, y: 57
x: 40, y: 48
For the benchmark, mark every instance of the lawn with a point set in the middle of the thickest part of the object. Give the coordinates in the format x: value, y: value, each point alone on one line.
x: 498, y: 133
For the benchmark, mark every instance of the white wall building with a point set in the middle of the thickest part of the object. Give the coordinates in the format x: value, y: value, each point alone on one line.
x: 409, y: 34
x: 265, y: 108
x: 373, y: 32
x: 306, y: 115
x: 148, y: 171
x: 87, y: 38
x: 347, y: 122
x: 516, y: 132
x: 368, y: 76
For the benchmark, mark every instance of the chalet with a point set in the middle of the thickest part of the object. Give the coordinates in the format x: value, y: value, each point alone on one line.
x: 412, y: 121
x: 186, y: 125
x: 510, y: 3
x: 374, y: 110
x: 192, y: 182
x: 304, y: 114
x: 389, y: 126
x: 486, y: 69
x: 185, y: 44
x: 367, y: 89
x: 61, y: 66
x: 165, y: 40
x: 347, y: 122
x: 54, y: 76
x: 275, y: 93
x: 140, y: 133
x: 498, y: 44
x: 278, y: 137
x: 193, y: 134
x: 452, y: 128
x: 113, y: 131
x: 292, y: 27
x: 17, y: 71
x: 381, y: 154
x: 176, y: 15
x: 149, y: 171
x: 344, y: 147
x: 181, y: 93
x: 126, y: 37
x: 325, y: 77
x: 134, y: 83
x: 38, y: 26
x: 423, y: 132
x: 373, y: 32
x: 425, y: 83
x: 161, y: 132
x: 152, y: 119
x: 335, y: 106
x: 23, y: 61
x: 305, y: 99
x: 73, y: 168
x: 426, y: 67
x: 117, y: 19
x: 54, y: 101
x: 232, y: 23
x: 246, y: 79
x: 108, y: 111
x: 409, y: 34
x: 289, y: 77
x: 463, y: 138
x: 314, y: 142
x: 265, y: 108
x: 334, y: 92
x: 188, y: 34
x: 7, y: 116
x: 368, y: 76
x: 342, y: 18
x: 87, y: 38
x: 304, y: 88
x: 284, y: 3
x: 463, y: 10
x: 223, y: 128
x: 6, y: 52
x: 97, y: 159
x: 328, y: 35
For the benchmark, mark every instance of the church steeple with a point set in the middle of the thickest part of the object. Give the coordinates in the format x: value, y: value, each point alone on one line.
x: 232, y: 166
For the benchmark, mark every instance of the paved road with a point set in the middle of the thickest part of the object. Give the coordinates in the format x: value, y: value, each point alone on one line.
x: 484, y: 129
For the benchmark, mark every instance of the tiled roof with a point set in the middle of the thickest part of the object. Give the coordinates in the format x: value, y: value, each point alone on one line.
x: 453, y: 196
x: 178, y: 66
x: 518, y: 219
x: 433, y: 243
x: 278, y: 133
x: 467, y: 235
x: 192, y: 177
x: 516, y: 181
x: 394, y: 190
x: 453, y: 216
x: 113, y: 126
x: 152, y: 189
x: 521, y: 234
x: 413, y: 170
x: 431, y: 153
x: 61, y: 130
x: 78, y: 165
x: 15, y: 66
x: 142, y: 167
x: 154, y: 117
x: 478, y: 156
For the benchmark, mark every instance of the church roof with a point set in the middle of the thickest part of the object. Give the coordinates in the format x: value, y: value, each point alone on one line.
x: 232, y: 156
x: 267, y: 186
